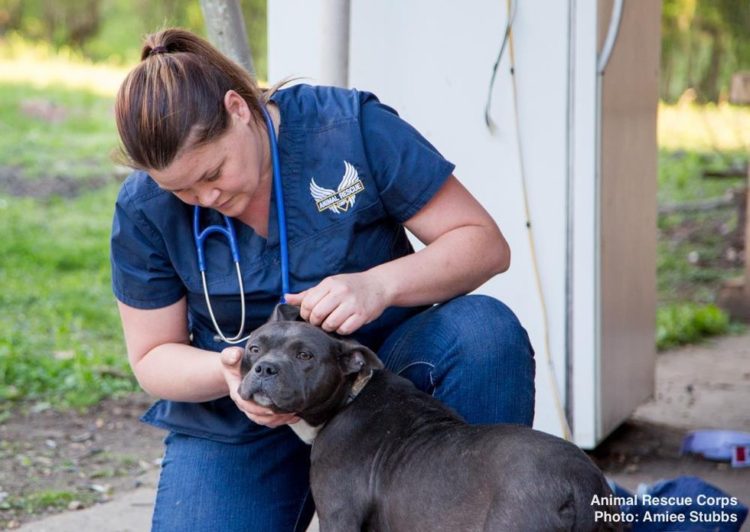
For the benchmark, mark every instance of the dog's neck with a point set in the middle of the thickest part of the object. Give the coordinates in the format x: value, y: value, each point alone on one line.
x: 305, y: 431
x: 308, y: 432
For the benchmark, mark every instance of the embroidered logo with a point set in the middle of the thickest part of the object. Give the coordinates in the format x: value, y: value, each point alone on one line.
x: 341, y: 199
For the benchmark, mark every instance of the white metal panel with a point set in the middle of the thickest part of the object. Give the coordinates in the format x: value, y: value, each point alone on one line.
x: 294, y: 40
x: 585, y: 350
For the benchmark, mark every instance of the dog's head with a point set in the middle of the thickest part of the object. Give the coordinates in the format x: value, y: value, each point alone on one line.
x: 292, y: 366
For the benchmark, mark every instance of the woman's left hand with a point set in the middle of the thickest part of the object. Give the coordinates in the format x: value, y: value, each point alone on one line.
x: 342, y: 303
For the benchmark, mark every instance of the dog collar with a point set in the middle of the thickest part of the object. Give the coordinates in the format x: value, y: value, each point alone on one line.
x: 359, y: 383
x: 307, y: 433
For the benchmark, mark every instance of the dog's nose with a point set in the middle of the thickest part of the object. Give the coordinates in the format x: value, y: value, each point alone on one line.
x: 266, y: 369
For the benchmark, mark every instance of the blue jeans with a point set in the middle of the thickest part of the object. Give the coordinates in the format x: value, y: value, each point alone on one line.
x: 471, y: 353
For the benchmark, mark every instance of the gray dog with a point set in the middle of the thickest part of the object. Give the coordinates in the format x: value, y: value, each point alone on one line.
x: 388, y: 457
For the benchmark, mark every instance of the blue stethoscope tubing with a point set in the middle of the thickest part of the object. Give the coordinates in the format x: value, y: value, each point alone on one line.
x: 229, y: 233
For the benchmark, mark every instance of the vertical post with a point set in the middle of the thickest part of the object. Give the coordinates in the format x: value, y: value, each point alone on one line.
x: 734, y: 294
x: 334, y: 42
x: 226, y: 30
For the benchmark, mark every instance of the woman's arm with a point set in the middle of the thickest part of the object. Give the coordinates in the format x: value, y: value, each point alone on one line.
x: 463, y: 249
x: 168, y: 367
x: 162, y: 359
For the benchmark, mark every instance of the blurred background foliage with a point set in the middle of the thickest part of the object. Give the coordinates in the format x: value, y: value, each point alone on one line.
x: 111, y: 30
x: 703, y: 43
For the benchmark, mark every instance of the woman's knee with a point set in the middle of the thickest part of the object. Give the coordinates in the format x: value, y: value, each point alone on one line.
x: 495, y: 357
x: 485, y: 326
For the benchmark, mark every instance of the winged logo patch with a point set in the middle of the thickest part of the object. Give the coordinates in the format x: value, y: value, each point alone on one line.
x: 343, y: 197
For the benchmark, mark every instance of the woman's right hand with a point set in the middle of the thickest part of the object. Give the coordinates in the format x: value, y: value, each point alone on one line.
x: 230, y: 364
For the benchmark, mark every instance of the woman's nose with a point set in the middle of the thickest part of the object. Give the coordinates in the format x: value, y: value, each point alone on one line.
x: 207, y: 197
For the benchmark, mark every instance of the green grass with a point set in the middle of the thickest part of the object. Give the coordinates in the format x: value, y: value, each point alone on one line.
x: 681, y: 174
x: 692, y: 250
x: 60, y: 339
x: 56, y: 131
x: 46, y: 500
x: 688, y: 323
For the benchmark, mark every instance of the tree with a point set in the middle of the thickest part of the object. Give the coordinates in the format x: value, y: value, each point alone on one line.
x: 703, y: 43
x: 225, y: 23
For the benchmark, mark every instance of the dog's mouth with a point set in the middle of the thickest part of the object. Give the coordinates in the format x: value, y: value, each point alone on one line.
x: 262, y: 399
x: 265, y: 398
x: 275, y: 394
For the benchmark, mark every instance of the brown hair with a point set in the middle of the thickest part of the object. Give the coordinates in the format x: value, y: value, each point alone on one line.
x: 177, y: 93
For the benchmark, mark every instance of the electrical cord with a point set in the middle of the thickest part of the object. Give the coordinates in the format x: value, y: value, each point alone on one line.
x: 508, y: 39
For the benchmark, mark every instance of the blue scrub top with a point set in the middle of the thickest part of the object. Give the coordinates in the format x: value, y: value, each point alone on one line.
x: 352, y: 173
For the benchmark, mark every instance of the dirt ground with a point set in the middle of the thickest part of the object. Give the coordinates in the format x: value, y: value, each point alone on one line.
x: 56, y: 461
x: 13, y: 183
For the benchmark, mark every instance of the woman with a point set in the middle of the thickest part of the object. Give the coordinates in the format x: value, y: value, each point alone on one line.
x: 354, y: 175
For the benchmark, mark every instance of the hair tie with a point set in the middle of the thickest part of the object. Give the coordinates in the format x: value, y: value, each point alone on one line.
x: 161, y: 49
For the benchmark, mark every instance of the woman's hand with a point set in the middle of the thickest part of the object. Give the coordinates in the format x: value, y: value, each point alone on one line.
x: 230, y: 362
x: 342, y: 303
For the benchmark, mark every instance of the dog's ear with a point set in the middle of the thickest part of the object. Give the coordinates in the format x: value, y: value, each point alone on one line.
x: 355, y: 357
x: 284, y: 312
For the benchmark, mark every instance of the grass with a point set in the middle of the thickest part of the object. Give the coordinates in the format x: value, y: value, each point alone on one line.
x: 710, y: 128
x: 46, y: 500
x: 681, y: 174
x: 61, y: 341
x: 692, y: 252
x: 60, y: 338
x: 687, y: 323
x: 56, y: 131
x: 44, y: 67
x: 56, y: 111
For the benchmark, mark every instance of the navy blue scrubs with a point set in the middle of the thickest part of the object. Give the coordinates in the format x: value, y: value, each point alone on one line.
x: 352, y: 173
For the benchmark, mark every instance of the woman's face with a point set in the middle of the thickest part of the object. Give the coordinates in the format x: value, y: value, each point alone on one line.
x: 224, y: 174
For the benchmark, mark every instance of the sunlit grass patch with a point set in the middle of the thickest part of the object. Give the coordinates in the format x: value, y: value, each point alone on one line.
x: 705, y: 128
x: 40, y: 66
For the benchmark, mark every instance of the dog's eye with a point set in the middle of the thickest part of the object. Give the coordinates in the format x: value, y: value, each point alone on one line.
x: 254, y: 349
x: 304, y: 355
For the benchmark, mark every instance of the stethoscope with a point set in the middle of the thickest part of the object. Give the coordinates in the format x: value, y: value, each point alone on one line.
x: 228, y: 232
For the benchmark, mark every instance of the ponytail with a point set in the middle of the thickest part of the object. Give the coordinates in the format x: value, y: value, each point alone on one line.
x: 174, y: 98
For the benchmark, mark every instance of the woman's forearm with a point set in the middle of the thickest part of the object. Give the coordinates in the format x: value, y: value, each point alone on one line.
x: 456, y: 263
x: 180, y: 372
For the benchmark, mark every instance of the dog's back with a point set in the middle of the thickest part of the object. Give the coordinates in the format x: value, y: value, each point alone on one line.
x: 549, y: 484
x: 418, y: 466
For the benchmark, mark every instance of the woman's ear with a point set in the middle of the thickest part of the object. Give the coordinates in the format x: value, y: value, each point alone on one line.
x: 356, y: 358
x: 236, y: 106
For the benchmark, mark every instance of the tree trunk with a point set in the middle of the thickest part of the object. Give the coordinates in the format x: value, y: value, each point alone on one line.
x: 708, y: 88
x: 226, y: 30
